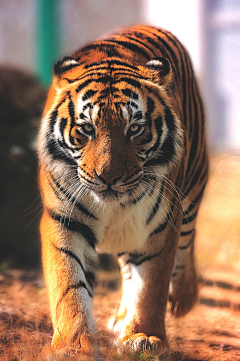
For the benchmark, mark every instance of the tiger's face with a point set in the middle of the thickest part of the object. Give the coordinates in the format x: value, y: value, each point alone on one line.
x: 116, y: 138
x: 115, y: 129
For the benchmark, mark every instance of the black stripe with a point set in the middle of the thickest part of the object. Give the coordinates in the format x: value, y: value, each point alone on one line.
x: 75, y: 226
x: 190, y: 92
x: 189, y: 219
x: 63, y: 123
x: 134, y: 105
x: 55, y: 150
x: 195, y: 178
x: 110, y: 62
x: 106, y: 92
x: 131, y: 46
x: 83, y: 85
x: 143, y: 44
x: 158, y: 125
x: 90, y: 93
x: 156, y: 205
x: 180, y: 267
x: 54, y: 190
x: 150, y: 105
x: 160, y: 228
x: 194, y: 156
x: 90, y: 276
x: 88, y: 105
x: 138, y: 115
x: 163, y: 226
x: 71, y: 112
x: 80, y: 284
x: 187, y: 245
x: 53, y: 118
x: 204, y: 177
x: 168, y: 145
x: 129, y: 93
x: 54, y: 115
x: 120, y: 254
x: 135, y: 255
x: 62, y: 142
x: 131, y: 81
x: 141, y: 195
x: 138, y: 262
x: 83, y: 209
x: 194, y: 202
x: 123, y: 64
x: 183, y: 234
x: 107, y: 79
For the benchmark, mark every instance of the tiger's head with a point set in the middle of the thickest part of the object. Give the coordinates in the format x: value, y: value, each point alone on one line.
x: 113, y: 122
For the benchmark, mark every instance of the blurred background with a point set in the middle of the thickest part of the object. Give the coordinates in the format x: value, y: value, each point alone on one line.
x: 36, y: 33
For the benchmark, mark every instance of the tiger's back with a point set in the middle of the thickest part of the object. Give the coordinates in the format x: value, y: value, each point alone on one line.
x: 123, y: 167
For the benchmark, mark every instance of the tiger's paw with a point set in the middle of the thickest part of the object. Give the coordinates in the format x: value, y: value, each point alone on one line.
x: 86, y: 351
x: 140, y: 341
x: 183, y: 301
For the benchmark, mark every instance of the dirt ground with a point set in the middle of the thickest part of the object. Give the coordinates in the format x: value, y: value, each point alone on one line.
x: 211, y: 331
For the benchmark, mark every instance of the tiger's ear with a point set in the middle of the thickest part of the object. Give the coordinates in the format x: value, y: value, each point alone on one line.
x: 158, y: 70
x: 63, y: 65
x: 66, y: 71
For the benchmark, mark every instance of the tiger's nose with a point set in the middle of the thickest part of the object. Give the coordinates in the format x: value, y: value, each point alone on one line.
x: 109, y: 180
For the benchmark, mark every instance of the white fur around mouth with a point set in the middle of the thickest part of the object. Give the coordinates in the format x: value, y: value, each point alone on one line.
x: 109, y: 196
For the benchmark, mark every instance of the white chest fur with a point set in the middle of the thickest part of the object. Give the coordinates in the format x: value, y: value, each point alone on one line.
x: 122, y: 229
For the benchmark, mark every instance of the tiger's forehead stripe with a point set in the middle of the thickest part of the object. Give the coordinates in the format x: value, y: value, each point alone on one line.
x: 107, y: 63
x: 110, y: 68
x: 108, y: 71
x: 83, y: 85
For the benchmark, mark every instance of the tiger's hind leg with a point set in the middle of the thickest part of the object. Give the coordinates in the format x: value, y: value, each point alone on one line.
x: 183, y: 289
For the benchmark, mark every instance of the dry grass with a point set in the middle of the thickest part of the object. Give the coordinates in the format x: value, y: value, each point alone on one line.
x: 24, y: 317
x: 210, y: 331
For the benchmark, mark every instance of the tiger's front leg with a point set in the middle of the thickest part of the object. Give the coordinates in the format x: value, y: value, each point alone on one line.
x: 69, y: 264
x: 144, y: 323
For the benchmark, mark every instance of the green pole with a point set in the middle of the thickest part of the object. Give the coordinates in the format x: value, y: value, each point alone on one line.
x: 48, y: 38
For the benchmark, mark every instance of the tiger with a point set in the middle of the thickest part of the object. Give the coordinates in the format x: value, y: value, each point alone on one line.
x: 122, y: 169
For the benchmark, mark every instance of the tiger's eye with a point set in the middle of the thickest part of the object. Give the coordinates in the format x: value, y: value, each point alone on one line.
x: 134, y: 128
x: 87, y: 127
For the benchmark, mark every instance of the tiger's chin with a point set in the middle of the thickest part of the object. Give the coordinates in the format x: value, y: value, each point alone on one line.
x: 110, y: 196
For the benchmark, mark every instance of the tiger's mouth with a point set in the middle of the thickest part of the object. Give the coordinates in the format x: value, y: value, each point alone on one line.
x: 116, y: 192
x: 113, y: 196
